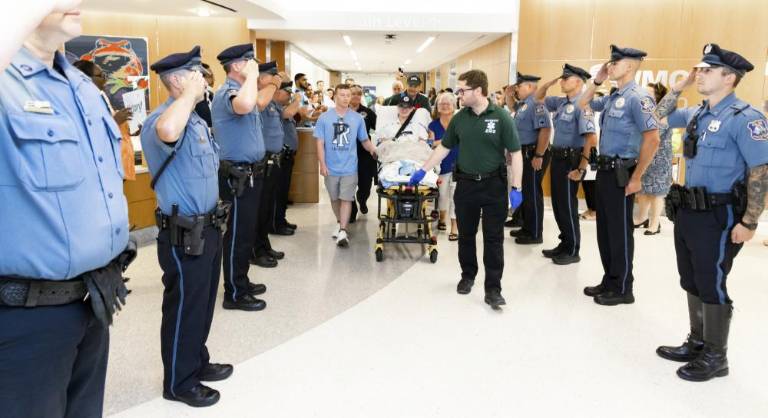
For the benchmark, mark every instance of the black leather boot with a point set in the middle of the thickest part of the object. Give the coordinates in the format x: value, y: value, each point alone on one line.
x: 712, y: 362
x: 694, y: 344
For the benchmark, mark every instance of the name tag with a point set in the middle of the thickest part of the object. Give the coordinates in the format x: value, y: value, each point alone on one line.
x: 615, y: 113
x: 38, y: 106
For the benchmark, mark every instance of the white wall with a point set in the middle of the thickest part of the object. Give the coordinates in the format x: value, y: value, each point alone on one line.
x: 299, y: 63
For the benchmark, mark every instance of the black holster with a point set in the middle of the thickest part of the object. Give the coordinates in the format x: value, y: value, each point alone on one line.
x: 238, y: 177
x: 673, y: 201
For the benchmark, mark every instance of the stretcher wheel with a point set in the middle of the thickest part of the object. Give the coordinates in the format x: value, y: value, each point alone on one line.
x: 433, y: 256
x: 379, y: 255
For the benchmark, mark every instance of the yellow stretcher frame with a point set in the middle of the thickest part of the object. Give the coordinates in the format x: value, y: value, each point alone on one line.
x: 388, y: 221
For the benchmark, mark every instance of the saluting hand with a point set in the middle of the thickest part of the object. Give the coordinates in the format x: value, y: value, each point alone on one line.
x: 63, y: 6
x: 684, y: 84
x: 551, y: 83
x: 251, y: 67
x: 194, y: 85
x: 741, y: 234
x: 602, y: 75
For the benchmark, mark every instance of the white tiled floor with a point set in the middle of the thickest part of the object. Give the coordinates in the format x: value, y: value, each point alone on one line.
x: 345, y: 336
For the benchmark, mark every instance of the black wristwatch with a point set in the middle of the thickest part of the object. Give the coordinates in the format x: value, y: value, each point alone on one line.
x: 751, y: 227
x: 538, y: 155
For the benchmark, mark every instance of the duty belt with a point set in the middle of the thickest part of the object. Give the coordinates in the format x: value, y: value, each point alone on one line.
x: 565, y: 153
x: 210, y: 219
x: 697, y: 198
x: 605, y: 163
x: 458, y: 175
x: 28, y: 293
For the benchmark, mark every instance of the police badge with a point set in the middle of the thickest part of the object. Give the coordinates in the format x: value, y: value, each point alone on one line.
x: 569, y: 108
x: 619, y: 103
x: 714, y: 126
x: 758, y: 129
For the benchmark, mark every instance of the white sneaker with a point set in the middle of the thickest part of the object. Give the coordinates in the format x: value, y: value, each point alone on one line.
x: 342, y: 240
x: 336, y: 231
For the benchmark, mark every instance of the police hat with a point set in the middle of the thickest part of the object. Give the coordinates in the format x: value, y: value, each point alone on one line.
x: 714, y: 56
x: 268, y: 67
x: 180, y: 61
x: 287, y: 86
x: 405, y: 101
x: 618, y: 53
x: 522, y: 78
x: 414, y: 80
x: 236, y: 53
x: 570, y: 70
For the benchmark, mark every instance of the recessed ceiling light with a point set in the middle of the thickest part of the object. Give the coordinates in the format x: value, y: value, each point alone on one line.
x: 347, y: 40
x: 425, y: 44
x: 408, y: 61
x: 203, y: 12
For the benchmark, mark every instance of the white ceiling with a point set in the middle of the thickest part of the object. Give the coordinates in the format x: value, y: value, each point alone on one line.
x: 316, y: 27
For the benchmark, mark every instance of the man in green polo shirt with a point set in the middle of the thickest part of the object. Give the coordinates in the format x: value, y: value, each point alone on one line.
x: 482, y: 131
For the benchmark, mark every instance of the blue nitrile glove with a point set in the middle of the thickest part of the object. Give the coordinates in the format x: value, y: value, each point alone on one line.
x: 515, y: 198
x: 417, y: 177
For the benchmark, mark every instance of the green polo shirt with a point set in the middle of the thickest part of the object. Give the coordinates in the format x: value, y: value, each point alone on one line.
x: 482, y: 138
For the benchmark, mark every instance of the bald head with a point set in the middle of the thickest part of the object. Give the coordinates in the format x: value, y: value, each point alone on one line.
x: 397, y: 87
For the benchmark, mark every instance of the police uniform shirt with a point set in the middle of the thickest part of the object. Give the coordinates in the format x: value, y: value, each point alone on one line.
x: 240, y: 136
x: 190, y: 179
x: 733, y: 136
x: 529, y: 118
x: 625, y: 115
x: 413, y: 128
x: 570, y: 122
x: 481, y: 139
x: 61, y: 176
x: 272, y: 127
x: 420, y: 101
x: 291, y: 135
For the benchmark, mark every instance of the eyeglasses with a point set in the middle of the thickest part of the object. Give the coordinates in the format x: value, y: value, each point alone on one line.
x: 460, y: 92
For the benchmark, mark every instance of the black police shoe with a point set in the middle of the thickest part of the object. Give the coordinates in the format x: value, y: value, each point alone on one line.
x: 277, y: 255
x: 465, y: 286
x: 513, y: 223
x: 245, y: 303
x: 255, y: 289
x: 688, y: 351
x: 713, y: 360
x: 528, y: 240
x: 493, y: 297
x: 554, y: 251
x: 265, y: 261
x: 199, y: 396
x: 290, y: 225
x: 565, y: 259
x: 363, y: 207
x: 610, y: 298
x: 284, y: 231
x: 214, y: 372
x: 518, y: 233
x: 593, y: 291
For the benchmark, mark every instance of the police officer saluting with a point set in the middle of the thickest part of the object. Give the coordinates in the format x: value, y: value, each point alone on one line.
x: 64, y: 229
x: 482, y: 131
x: 629, y: 137
x: 574, y: 139
x: 533, y: 127
x: 289, y: 105
x: 184, y: 162
x: 237, y: 127
x: 726, y: 180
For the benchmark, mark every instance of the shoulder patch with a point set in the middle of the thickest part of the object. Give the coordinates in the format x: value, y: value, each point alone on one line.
x: 647, y: 105
x: 540, y: 109
x: 758, y: 129
x: 588, y: 112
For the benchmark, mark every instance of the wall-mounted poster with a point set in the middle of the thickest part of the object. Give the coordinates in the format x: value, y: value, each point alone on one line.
x: 123, y: 60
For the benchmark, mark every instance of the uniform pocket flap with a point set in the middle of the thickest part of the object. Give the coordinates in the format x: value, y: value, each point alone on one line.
x: 45, y: 128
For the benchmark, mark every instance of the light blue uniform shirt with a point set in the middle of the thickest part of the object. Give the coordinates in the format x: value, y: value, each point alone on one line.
x: 62, y: 208
x: 733, y: 137
x: 570, y: 122
x: 338, y: 135
x: 291, y: 139
x: 529, y: 118
x: 626, y: 114
x: 272, y: 127
x: 239, y: 136
x: 191, y: 179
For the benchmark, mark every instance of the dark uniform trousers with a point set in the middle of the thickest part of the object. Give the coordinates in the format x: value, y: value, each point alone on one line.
x: 240, y: 236
x: 489, y: 199
x: 266, y: 212
x: 705, y: 252
x: 533, y: 196
x: 366, y: 176
x: 614, y: 232
x: 283, y: 187
x: 565, y: 204
x: 53, y: 362
x: 190, y: 283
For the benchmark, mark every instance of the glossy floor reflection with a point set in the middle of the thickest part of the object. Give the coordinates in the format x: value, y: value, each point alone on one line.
x: 342, y: 338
